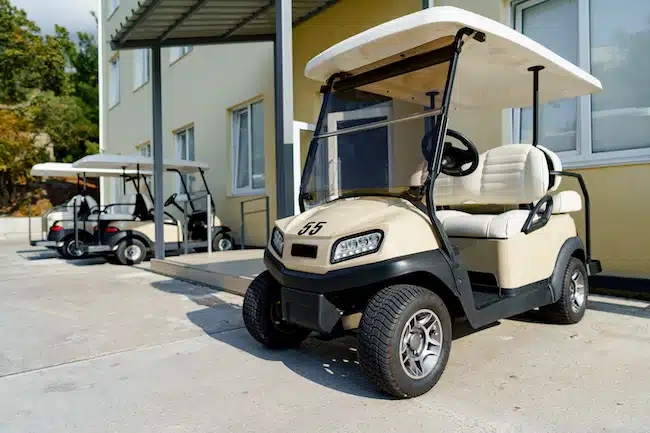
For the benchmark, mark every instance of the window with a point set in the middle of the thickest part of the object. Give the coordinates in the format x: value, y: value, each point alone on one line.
x: 112, y: 6
x: 248, y: 149
x: 145, y: 149
x: 185, y: 150
x: 114, y: 85
x: 141, y: 68
x: 176, y: 53
x: 611, y: 41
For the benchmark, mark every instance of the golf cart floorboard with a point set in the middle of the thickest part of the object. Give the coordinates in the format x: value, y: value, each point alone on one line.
x: 491, y: 307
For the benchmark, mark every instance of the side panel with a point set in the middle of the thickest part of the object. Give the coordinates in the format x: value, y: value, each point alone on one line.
x: 522, y: 259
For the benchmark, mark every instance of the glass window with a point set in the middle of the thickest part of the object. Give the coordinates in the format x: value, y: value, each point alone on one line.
x: 620, y: 44
x: 611, y: 41
x: 141, y: 68
x: 178, y: 52
x: 248, y: 149
x: 145, y: 149
x: 112, y: 6
x: 185, y: 151
x: 114, y: 85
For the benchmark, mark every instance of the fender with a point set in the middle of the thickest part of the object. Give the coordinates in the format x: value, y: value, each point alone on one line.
x: 115, y: 238
x: 571, y: 247
x: 221, y: 229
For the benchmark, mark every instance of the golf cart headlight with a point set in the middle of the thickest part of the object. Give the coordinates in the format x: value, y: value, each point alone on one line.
x: 277, y: 241
x: 349, y: 248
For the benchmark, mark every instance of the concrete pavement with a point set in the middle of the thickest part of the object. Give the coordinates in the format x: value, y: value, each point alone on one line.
x: 92, y: 347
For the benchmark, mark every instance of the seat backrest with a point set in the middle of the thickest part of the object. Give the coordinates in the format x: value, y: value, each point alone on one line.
x: 508, y: 175
x: 126, y: 204
x: 147, y: 201
x: 554, y: 164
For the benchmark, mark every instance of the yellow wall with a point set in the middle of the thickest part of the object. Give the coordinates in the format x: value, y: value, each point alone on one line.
x: 335, y: 24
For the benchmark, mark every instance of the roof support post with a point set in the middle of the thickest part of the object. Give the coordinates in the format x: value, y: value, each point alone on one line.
x: 157, y: 149
x: 283, y: 62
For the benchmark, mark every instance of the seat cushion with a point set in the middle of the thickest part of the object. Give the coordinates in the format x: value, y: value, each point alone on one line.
x: 111, y: 217
x: 501, y: 226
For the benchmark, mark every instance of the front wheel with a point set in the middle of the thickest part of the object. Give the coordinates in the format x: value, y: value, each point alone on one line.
x: 404, y: 340
x: 131, y: 252
x: 262, y: 312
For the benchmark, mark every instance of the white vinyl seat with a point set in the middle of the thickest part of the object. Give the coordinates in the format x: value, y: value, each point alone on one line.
x: 66, y: 212
x: 123, y: 210
x: 508, y: 175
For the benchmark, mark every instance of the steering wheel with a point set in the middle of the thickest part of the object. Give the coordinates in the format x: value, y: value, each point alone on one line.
x: 171, y: 199
x: 454, y: 158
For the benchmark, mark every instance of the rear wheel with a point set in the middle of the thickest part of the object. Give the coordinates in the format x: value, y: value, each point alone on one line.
x: 404, y: 340
x: 571, y: 306
x: 131, y: 252
x: 222, y: 242
x: 262, y: 312
x: 70, y: 250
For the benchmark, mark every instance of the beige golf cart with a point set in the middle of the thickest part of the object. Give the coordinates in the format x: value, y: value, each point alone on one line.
x: 404, y: 226
x: 129, y: 241
x: 82, y: 211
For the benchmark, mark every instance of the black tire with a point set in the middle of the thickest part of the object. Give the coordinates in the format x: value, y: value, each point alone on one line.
x: 563, y: 311
x: 262, y: 315
x: 217, y: 240
x: 125, y: 252
x: 68, y: 250
x: 380, y: 331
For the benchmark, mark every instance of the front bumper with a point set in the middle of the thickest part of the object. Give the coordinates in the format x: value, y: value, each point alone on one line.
x: 319, y: 301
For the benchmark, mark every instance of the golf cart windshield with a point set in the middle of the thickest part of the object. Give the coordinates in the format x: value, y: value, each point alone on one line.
x: 369, y: 138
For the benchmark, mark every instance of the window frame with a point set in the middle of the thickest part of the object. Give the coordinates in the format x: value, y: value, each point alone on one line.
x: 145, y: 145
x: 177, y: 132
x: 137, y: 66
x: 177, y: 53
x: 114, y: 90
x: 112, y: 6
x: 234, y: 147
x: 583, y: 156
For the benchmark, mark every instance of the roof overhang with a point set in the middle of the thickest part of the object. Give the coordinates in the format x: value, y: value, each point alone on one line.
x: 61, y: 169
x: 201, y: 22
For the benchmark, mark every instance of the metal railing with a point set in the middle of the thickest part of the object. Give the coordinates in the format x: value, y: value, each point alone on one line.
x: 243, y: 217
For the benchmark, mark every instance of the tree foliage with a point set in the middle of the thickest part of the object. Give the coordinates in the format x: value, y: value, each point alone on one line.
x: 48, y: 87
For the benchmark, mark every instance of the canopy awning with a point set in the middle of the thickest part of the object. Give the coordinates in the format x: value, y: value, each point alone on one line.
x: 61, y: 169
x: 102, y: 161
x: 195, y: 22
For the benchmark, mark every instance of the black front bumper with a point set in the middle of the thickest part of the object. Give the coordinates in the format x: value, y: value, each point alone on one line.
x: 316, y: 301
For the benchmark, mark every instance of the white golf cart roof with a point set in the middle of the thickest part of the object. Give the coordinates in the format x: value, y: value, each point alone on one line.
x: 61, y: 169
x: 490, y: 73
x: 133, y: 162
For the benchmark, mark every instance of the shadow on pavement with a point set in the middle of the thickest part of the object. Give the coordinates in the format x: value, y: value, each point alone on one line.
x: 331, y: 363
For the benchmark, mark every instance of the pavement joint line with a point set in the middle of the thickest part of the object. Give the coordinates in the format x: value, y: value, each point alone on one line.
x: 116, y: 352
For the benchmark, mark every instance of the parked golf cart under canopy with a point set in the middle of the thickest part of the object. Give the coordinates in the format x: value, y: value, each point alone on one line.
x: 403, y: 231
x: 82, y: 204
x: 130, y: 242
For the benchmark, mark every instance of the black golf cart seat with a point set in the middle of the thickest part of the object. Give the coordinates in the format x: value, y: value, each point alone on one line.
x: 514, y: 179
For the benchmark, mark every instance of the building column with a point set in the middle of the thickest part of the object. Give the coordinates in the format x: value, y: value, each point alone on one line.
x: 283, y: 62
x: 157, y: 149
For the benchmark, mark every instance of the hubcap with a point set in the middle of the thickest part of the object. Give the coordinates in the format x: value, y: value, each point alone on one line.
x: 224, y: 244
x: 577, y: 291
x: 132, y: 252
x: 421, y: 344
x: 73, y: 250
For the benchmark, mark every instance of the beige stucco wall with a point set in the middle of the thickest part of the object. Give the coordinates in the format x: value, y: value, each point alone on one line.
x: 197, y: 89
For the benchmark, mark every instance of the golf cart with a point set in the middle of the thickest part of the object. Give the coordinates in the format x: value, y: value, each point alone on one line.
x: 128, y: 242
x: 405, y: 227
x: 57, y: 224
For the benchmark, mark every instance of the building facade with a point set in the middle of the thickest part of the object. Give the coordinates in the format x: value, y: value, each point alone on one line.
x: 214, y: 96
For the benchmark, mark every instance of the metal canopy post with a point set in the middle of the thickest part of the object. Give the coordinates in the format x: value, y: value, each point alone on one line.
x: 157, y: 148
x: 283, y: 63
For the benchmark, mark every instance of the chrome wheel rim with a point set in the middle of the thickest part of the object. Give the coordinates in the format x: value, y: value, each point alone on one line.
x: 421, y: 344
x: 132, y: 252
x: 224, y: 244
x: 73, y: 250
x: 577, y: 291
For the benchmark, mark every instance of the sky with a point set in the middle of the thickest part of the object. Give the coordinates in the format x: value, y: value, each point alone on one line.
x: 71, y: 14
